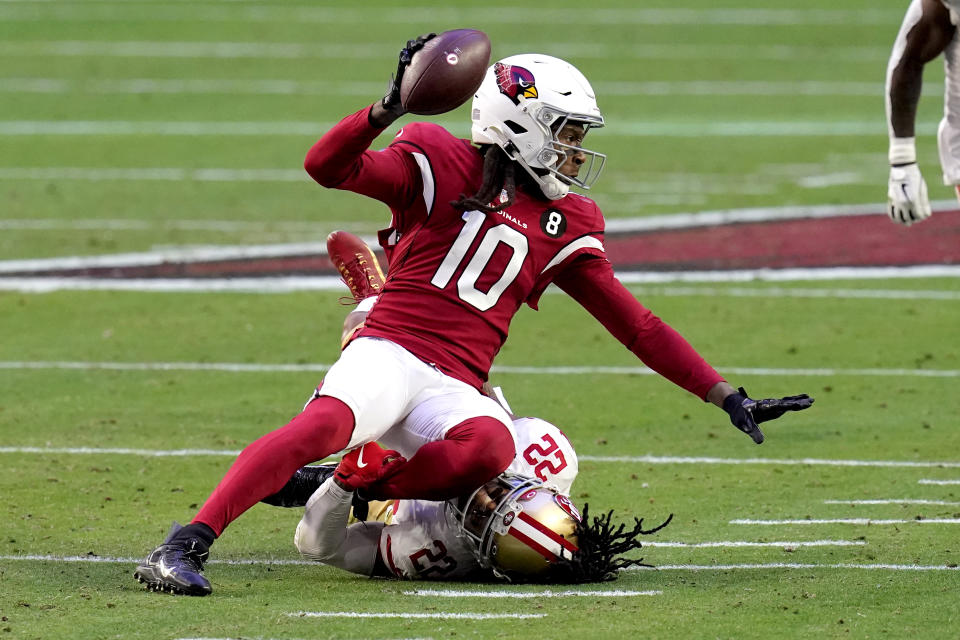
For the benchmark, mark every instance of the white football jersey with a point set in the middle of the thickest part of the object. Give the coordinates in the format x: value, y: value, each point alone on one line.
x: 422, y: 541
x: 544, y: 452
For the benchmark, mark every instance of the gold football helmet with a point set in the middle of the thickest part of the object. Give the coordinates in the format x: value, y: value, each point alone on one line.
x: 519, y: 527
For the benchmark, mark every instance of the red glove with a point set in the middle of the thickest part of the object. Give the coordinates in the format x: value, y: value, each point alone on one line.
x: 367, y: 464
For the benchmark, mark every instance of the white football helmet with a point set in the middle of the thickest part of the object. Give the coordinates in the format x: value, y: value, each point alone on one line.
x: 517, y: 526
x: 521, y: 105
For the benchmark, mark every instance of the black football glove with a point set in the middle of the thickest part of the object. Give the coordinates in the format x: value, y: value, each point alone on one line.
x: 746, y: 413
x: 391, y: 101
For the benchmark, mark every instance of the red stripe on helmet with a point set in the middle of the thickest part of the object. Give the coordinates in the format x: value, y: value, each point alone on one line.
x: 553, y: 535
x: 533, y: 544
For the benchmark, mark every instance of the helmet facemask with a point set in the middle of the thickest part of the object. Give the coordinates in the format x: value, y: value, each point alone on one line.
x: 555, y: 153
x: 517, y: 526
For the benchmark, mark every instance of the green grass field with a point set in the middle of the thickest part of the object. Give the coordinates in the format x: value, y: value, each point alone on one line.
x: 126, y: 126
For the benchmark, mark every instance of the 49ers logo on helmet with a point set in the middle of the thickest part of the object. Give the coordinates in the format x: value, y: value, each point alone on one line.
x: 565, y: 504
x: 515, y: 82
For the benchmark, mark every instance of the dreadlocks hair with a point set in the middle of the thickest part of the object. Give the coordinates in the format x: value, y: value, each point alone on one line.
x: 499, y: 174
x: 601, y: 543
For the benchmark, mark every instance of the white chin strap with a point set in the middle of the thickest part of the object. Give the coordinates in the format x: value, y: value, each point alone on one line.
x: 552, y: 187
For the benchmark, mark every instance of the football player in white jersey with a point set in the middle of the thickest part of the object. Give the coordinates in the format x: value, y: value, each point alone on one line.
x: 422, y: 539
x: 929, y: 28
x: 514, y: 526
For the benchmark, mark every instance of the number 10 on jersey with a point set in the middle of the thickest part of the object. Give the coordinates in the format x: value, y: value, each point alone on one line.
x: 467, y: 283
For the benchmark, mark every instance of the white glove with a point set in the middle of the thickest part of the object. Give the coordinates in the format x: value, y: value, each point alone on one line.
x: 907, y: 195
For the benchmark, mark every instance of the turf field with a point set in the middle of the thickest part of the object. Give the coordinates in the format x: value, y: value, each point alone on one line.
x: 134, y: 126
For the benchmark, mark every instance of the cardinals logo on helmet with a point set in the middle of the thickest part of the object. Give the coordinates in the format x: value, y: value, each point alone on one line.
x: 515, y: 82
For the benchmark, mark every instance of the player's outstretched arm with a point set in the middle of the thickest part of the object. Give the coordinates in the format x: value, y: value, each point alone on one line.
x: 746, y: 413
x: 591, y: 282
x: 924, y: 34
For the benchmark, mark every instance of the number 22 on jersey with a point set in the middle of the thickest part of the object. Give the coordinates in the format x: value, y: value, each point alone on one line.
x: 538, y: 456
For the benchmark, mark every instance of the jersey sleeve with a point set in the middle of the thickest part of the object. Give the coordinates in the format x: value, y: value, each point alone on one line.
x: 442, y: 164
x: 323, y: 534
x: 342, y: 159
x: 591, y: 282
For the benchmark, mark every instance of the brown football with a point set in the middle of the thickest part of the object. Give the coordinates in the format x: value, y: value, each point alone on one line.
x: 446, y: 72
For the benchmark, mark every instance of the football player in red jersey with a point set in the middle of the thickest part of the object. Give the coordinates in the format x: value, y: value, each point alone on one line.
x: 460, y: 267
x: 422, y: 539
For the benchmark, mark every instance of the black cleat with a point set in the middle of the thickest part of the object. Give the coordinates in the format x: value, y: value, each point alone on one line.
x: 176, y: 565
x: 299, y: 488
x: 304, y: 484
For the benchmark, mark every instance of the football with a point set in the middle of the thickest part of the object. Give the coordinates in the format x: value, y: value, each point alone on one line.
x: 446, y: 72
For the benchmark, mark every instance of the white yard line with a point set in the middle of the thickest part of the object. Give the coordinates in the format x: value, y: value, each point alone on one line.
x: 153, y: 258
x: 614, y: 226
x: 816, y: 274
x: 138, y: 86
x: 116, y: 560
x: 639, y: 128
x: 748, y: 371
x: 255, y: 226
x: 241, y: 367
x: 736, y: 544
x: 122, y: 451
x: 417, y: 616
x: 238, y: 637
x: 668, y: 567
x: 281, y: 284
x: 894, y: 501
x: 749, y: 215
x: 808, y: 462
x: 289, y: 284
x: 854, y: 521
x: 795, y: 565
x: 108, y: 86
x: 233, y: 367
x: 938, y: 482
x: 648, y: 459
x: 162, y: 174
x: 777, y: 292
x: 547, y: 593
x: 789, y: 53
x: 418, y: 14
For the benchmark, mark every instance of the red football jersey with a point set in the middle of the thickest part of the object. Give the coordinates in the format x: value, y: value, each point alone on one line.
x: 457, y: 278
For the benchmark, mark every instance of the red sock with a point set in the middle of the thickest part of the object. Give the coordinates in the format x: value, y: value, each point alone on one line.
x: 322, y: 428
x: 471, y: 453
